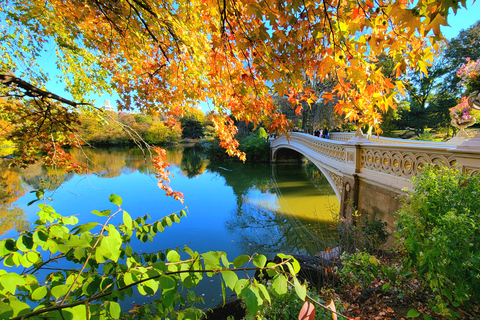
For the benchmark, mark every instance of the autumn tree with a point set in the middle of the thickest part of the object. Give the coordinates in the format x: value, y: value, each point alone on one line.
x: 161, y: 57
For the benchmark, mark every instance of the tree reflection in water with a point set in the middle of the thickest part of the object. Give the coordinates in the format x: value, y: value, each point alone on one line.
x: 193, y: 162
x: 11, y: 188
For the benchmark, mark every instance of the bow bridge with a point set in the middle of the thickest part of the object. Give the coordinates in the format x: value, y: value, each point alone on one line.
x: 369, y: 175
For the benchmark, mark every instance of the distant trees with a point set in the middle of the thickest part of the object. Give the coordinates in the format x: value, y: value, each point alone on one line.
x: 118, y: 128
x: 465, y: 45
x: 192, y: 124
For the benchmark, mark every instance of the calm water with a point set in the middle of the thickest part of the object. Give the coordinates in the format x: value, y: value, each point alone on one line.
x: 236, y: 208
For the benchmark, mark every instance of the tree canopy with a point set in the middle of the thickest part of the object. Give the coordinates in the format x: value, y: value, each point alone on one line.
x: 163, y: 57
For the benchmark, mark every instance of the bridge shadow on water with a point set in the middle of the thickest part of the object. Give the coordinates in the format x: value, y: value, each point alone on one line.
x: 301, y: 218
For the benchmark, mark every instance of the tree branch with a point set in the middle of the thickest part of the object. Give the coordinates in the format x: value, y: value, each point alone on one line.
x: 34, y: 92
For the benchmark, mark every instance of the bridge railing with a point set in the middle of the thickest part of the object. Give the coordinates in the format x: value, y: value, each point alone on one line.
x: 345, y: 136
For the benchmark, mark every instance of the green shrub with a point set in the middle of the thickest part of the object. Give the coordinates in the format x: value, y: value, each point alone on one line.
x: 256, y: 146
x: 439, y: 227
x: 375, y: 234
x: 359, y: 268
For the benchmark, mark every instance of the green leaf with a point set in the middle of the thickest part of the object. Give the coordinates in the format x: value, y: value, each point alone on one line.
x: 8, y: 261
x: 150, y: 287
x: 230, y: 278
x: 114, y: 309
x: 59, y: 291
x: 24, y: 243
x: 296, y: 265
x: 240, y: 260
x: 110, y: 245
x: 168, y: 283
x: 413, y: 313
x: 265, y: 293
x: 175, y: 218
x: 103, y: 213
x: 426, y: 317
x: 6, y: 247
x: 127, y: 220
x: 259, y: 260
x: 70, y: 220
x: 167, y: 221
x: 39, y: 293
x: 10, y: 281
x: 253, y: 300
x: 279, y: 284
x: 447, y: 293
x: 211, y: 260
x: 25, y: 262
x: 129, y: 278
x: 40, y: 237
x: 115, y: 200
x: 173, y: 256
x: 241, y: 287
x: 77, y: 313
x: 33, y: 257
x: 300, y: 289
x: 52, y: 246
x: 85, y: 227
x: 19, y: 308
x: 6, y: 311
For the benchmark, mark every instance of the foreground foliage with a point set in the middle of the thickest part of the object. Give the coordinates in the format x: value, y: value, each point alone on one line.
x: 99, y: 268
x: 440, y: 228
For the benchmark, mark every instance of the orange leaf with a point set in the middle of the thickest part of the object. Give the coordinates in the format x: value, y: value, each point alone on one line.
x: 328, y: 96
x: 307, y: 312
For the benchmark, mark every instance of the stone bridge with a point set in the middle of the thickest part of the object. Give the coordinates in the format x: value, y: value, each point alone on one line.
x: 370, y: 175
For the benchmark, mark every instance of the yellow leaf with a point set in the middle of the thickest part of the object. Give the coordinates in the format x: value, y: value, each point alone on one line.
x: 332, y: 307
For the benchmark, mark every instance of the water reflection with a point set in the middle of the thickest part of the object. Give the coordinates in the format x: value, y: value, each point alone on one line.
x: 193, y: 162
x: 234, y: 207
x: 288, y: 208
x: 11, y: 188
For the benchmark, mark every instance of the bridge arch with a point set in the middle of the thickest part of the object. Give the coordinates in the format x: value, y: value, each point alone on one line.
x: 332, y: 178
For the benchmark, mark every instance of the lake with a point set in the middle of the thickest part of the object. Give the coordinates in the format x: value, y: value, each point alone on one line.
x: 233, y: 207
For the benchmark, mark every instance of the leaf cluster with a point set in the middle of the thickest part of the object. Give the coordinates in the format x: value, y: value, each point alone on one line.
x: 83, y: 271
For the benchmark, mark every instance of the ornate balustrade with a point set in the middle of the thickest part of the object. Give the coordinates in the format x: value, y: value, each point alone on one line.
x: 345, y: 136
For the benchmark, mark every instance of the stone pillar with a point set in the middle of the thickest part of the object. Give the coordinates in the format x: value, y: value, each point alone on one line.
x: 349, y: 201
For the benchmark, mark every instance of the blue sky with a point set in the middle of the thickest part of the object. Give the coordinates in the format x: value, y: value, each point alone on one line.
x: 462, y: 20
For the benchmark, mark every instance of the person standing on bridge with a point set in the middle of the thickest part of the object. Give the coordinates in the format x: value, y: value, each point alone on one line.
x: 325, y: 133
